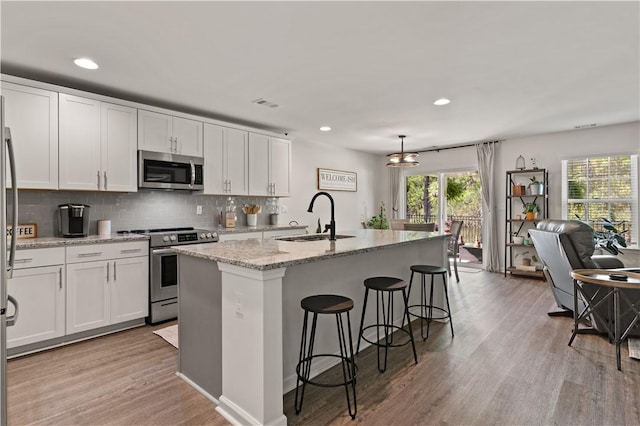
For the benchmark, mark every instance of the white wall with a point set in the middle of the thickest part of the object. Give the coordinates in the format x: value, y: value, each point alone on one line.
x: 350, y: 207
x: 549, y: 150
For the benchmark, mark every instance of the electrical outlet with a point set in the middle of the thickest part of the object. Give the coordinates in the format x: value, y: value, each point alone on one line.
x: 283, y: 208
x: 198, y: 209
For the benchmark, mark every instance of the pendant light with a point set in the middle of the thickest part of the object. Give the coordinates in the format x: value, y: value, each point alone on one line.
x: 402, y: 159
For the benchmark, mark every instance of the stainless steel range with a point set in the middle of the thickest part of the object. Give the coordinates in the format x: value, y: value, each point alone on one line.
x: 163, y: 267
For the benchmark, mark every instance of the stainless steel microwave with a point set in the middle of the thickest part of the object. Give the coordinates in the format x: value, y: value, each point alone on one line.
x: 157, y: 170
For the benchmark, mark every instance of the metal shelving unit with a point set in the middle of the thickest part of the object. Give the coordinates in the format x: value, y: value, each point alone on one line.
x: 516, y: 223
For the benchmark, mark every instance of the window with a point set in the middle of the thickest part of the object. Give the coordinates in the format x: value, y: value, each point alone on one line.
x: 602, y: 187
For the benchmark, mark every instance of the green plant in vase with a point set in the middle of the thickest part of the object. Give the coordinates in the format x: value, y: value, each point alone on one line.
x: 379, y: 221
x: 535, y: 186
x: 530, y: 210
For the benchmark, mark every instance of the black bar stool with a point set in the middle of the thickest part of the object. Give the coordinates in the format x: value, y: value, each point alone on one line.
x: 387, y: 285
x: 426, y: 309
x: 326, y: 304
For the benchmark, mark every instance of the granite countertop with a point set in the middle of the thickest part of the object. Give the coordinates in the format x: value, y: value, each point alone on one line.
x: 91, y: 239
x: 265, y: 254
x: 259, y: 228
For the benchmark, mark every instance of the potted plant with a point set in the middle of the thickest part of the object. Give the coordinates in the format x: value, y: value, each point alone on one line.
x: 609, y: 239
x: 379, y: 221
x: 530, y: 211
x: 517, y: 239
x: 526, y: 260
x: 535, y: 186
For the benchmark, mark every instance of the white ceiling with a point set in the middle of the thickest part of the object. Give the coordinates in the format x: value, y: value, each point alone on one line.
x: 370, y: 70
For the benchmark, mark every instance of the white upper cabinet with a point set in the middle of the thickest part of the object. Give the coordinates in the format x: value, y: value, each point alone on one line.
x: 270, y: 166
x: 226, y: 160
x: 79, y: 143
x: 118, y: 146
x: 280, y: 166
x: 165, y: 133
x: 97, y: 145
x: 32, y: 115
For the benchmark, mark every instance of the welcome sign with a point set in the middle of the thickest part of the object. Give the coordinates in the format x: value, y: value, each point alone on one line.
x: 337, y: 180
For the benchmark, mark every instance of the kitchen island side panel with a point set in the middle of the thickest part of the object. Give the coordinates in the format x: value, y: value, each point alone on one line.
x: 200, y: 324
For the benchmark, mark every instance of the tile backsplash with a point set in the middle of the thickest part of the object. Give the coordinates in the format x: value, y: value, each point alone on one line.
x: 136, y: 210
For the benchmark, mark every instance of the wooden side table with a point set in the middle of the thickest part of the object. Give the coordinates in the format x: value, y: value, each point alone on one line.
x: 611, y: 288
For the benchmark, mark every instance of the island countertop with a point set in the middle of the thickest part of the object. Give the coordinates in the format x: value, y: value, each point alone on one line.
x: 266, y: 254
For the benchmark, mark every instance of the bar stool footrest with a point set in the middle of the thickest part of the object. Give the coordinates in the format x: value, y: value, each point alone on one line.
x: 388, y: 345
x: 351, y: 364
x: 446, y: 315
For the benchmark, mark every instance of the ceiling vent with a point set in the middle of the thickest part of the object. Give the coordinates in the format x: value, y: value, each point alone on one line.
x: 585, y: 126
x: 266, y: 103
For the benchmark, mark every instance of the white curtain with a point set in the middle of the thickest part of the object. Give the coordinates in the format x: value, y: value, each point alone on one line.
x: 395, y: 174
x: 491, y: 255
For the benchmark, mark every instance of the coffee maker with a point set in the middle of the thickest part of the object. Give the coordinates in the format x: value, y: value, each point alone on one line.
x: 73, y: 220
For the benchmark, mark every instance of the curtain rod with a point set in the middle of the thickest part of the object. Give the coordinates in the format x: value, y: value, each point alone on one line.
x: 453, y: 147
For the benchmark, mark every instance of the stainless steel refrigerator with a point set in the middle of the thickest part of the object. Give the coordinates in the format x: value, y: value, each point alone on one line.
x: 7, y: 254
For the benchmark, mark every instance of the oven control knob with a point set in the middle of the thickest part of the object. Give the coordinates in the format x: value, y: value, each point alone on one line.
x: 202, y: 236
x: 165, y: 238
x: 173, y: 238
x: 209, y: 235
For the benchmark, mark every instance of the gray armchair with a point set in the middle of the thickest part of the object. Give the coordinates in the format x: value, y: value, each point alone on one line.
x: 565, y: 245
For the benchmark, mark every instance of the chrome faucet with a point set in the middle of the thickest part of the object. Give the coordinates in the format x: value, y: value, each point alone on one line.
x: 331, y: 227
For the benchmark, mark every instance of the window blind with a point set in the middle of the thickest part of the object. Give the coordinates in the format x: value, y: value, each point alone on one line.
x: 602, y: 187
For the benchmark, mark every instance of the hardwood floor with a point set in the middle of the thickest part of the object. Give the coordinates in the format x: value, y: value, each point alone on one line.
x: 509, y: 364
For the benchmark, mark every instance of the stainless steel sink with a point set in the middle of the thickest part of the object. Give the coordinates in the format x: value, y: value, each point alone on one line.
x: 312, y: 237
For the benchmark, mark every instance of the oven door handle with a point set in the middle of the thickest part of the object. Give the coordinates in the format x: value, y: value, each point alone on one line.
x: 163, y: 251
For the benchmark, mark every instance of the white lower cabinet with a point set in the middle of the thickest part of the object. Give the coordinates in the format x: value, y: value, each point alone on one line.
x: 129, y: 299
x: 87, y: 296
x: 40, y: 292
x: 107, y: 291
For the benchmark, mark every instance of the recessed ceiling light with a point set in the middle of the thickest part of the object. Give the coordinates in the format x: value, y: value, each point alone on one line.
x: 325, y: 128
x: 86, y: 63
x: 442, y: 101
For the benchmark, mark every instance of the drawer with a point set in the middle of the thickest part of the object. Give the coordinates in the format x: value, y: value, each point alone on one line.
x: 131, y: 249
x: 240, y: 236
x: 34, y: 258
x: 91, y: 252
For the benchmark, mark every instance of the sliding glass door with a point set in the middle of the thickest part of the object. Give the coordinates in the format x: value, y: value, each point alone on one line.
x: 442, y: 197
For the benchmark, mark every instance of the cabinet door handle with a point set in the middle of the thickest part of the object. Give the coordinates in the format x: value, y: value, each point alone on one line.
x: 130, y: 251
x: 105, y: 180
x: 98, y: 173
x: 176, y: 140
x: 274, y: 189
x: 23, y: 260
x: 114, y: 271
x: 230, y: 185
x: 107, y: 271
x: 60, y: 278
x: 170, y: 143
x: 98, y: 253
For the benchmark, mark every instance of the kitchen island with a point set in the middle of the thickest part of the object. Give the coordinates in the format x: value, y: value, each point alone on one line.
x: 240, y: 316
